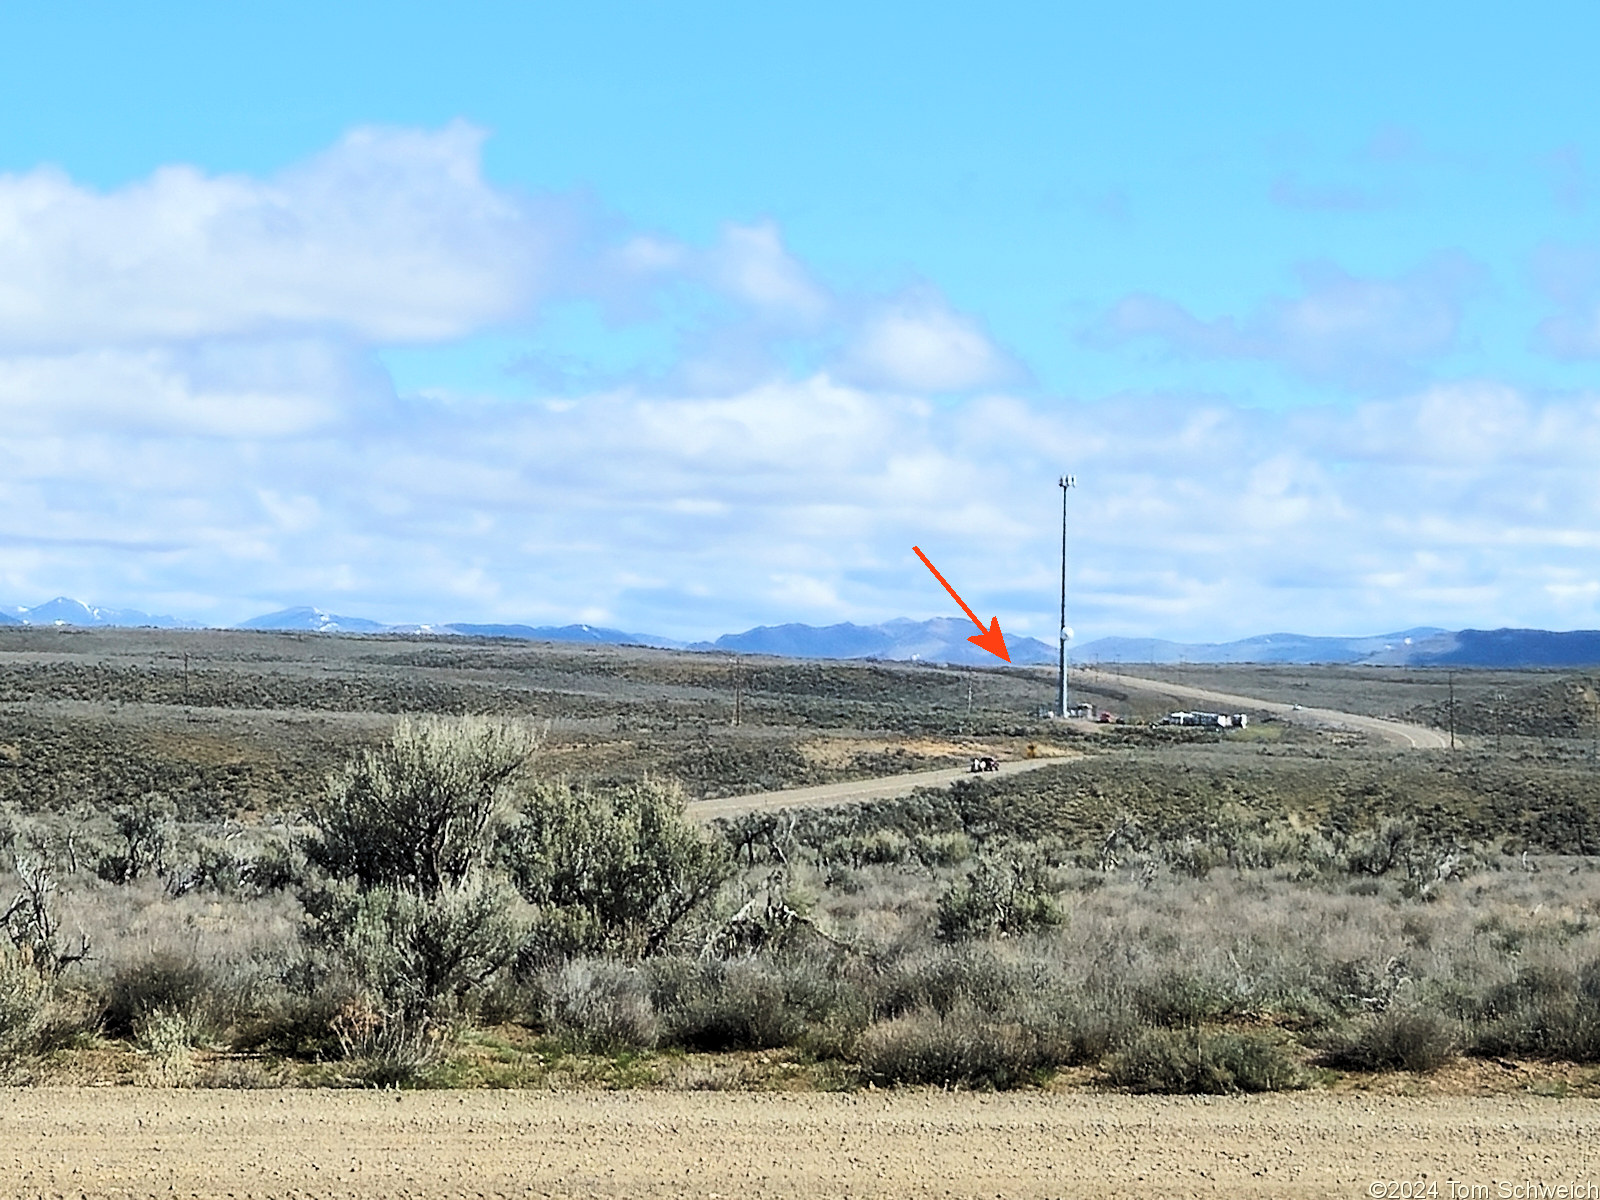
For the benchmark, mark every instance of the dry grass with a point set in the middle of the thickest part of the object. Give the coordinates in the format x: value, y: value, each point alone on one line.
x: 1205, y: 891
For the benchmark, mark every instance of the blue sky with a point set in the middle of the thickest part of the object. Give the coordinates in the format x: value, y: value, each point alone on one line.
x: 688, y: 318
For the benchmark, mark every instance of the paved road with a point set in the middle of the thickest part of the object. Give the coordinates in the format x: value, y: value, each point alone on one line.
x: 1396, y: 733
x: 857, y: 792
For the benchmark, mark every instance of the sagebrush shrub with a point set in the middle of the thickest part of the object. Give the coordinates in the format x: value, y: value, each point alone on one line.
x: 417, y: 812
x: 416, y: 951
x: 943, y: 849
x: 402, y: 839
x: 1176, y: 997
x: 617, y: 873
x: 162, y: 982
x: 1544, y: 1012
x: 1398, y: 1039
x: 967, y: 976
x: 23, y: 997
x: 958, y: 1049
x: 167, y: 1033
x: 604, y: 1005
x: 298, y: 1022
x: 1004, y: 897
x: 144, y: 828
x: 733, y: 1004
x: 1383, y: 849
x: 1182, y: 1062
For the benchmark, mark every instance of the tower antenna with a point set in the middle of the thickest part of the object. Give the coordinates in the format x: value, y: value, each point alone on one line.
x: 1066, y: 483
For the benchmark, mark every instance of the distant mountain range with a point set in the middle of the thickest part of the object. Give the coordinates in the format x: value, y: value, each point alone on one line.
x: 1421, y: 647
x: 1263, y: 648
x: 315, y: 620
x: 65, y: 611
x: 941, y: 640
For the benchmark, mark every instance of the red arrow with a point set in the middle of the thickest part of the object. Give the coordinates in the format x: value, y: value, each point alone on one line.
x: 990, y: 639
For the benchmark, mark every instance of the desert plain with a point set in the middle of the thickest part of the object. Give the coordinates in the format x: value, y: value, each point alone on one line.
x: 1352, y: 946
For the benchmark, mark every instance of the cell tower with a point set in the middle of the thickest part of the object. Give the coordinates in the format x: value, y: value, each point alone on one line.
x: 1066, y: 483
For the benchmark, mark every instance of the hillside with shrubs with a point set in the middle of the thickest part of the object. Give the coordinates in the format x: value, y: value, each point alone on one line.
x: 518, y: 898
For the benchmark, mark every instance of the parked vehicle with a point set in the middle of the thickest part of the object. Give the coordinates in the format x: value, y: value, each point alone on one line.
x: 1208, y: 720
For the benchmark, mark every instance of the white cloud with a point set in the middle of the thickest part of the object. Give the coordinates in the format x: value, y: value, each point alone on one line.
x: 919, y: 344
x: 390, y: 236
x: 192, y: 420
x: 249, y: 389
x: 751, y: 264
x: 1340, y: 328
x: 800, y: 500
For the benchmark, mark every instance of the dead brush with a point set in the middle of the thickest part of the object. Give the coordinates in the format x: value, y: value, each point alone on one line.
x: 385, y: 1048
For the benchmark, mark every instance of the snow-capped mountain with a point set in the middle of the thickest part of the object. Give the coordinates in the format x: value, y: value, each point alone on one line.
x: 941, y: 640
x: 64, y: 610
x: 315, y: 620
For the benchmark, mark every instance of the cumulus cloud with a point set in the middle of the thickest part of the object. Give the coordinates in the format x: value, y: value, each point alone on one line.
x: 746, y: 309
x: 229, y: 303
x: 192, y: 420
x: 799, y: 499
x: 752, y: 265
x: 1339, y: 328
x: 223, y: 388
x: 390, y: 236
x: 919, y: 344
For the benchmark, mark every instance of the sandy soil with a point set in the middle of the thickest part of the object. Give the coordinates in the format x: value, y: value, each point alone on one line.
x: 141, y: 1143
x: 857, y: 792
x: 1395, y: 733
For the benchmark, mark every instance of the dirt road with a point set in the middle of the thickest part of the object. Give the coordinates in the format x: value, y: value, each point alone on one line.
x: 1396, y: 733
x: 126, y: 1142
x: 886, y: 788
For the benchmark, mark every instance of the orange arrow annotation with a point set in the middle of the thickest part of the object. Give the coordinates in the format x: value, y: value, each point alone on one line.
x: 990, y: 639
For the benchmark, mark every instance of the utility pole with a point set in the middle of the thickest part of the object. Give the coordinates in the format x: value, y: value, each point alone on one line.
x: 1066, y: 483
x: 1452, y: 678
x: 736, y: 682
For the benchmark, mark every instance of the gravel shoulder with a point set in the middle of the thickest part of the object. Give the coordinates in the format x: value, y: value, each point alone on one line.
x: 129, y: 1142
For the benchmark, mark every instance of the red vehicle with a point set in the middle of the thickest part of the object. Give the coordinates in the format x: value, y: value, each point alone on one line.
x: 985, y: 762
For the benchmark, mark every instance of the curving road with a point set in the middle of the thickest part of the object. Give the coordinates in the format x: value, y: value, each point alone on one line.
x: 855, y: 792
x: 1396, y: 733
